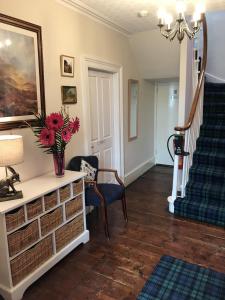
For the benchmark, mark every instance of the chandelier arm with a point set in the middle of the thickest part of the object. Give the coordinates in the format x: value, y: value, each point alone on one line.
x: 174, y: 31
x: 173, y: 34
x: 189, y: 33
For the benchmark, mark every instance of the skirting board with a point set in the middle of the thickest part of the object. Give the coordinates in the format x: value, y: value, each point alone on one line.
x: 138, y: 171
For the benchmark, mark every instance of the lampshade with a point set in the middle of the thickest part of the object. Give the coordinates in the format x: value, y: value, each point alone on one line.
x: 11, y: 150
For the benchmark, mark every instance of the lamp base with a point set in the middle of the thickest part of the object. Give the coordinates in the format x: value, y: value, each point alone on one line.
x: 11, y: 196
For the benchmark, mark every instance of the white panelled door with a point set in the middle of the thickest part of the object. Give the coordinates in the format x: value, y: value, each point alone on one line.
x: 101, y: 113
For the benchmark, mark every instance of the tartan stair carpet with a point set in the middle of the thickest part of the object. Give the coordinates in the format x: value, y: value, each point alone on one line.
x: 175, y: 279
x: 205, y: 190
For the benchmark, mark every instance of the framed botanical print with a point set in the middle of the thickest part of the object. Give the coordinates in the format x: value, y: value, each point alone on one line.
x: 69, y: 95
x: 67, y: 66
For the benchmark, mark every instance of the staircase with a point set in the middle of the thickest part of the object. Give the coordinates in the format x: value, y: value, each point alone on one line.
x: 205, y: 191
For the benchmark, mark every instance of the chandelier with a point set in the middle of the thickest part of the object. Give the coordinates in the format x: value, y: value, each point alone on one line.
x: 180, y: 27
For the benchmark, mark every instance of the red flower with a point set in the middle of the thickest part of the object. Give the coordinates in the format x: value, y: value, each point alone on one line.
x: 66, y: 134
x: 54, y: 121
x: 47, y: 137
x: 74, y: 125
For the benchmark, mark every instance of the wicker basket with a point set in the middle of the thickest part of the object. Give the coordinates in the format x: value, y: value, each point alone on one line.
x: 34, y: 209
x: 22, y: 238
x: 15, y: 218
x: 51, y: 220
x: 31, y: 259
x: 50, y: 200
x: 69, y: 232
x: 77, y: 187
x: 65, y: 193
x: 74, y: 206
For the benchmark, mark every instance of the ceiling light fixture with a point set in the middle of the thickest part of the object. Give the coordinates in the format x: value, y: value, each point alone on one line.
x: 181, y: 26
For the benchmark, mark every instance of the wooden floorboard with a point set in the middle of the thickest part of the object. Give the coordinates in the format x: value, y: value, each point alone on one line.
x: 117, y: 269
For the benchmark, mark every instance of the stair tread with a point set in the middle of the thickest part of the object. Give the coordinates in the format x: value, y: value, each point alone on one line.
x: 200, y: 169
x: 214, y: 85
x: 212, y: 140
x: 200, y: 211
x: 214, y: 187
x: 211, y: 154
x: 213, y: 205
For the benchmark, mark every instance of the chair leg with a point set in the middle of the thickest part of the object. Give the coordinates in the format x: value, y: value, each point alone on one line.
x: 106, y: 224
x: 124, y: 205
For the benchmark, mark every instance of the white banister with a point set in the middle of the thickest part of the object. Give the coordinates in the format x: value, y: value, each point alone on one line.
x: 192, y: 128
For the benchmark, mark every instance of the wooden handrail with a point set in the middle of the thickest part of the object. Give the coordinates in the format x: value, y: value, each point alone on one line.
x: 200, y: 81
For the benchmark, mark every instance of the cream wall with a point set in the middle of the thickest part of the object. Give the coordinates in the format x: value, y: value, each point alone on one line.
x: 156, y: 56
x: 67, y: 32
x: 146, y: 119
x: 216, y: 44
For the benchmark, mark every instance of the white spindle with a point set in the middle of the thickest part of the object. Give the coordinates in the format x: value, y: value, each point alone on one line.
x: 191, y: 136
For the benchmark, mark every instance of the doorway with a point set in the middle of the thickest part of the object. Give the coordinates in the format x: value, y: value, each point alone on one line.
x: 103, y: 113
x: 166, y: 118
x: 101, y: 119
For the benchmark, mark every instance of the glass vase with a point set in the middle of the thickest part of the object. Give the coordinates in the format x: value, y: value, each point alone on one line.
x: 59, y: 164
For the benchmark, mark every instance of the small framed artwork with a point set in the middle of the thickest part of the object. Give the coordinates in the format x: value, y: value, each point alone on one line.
x: 69, y: 94
x: 22, y: 76
x: 67, y: 66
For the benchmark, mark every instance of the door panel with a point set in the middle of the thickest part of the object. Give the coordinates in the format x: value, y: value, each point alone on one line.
x: 93, y: 84
x: 107, y: 108
x: 100, y: 97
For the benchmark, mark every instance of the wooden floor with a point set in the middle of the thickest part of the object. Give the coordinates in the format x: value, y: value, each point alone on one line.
x: 117, y: 269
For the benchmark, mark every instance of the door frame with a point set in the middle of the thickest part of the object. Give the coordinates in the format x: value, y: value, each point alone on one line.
x: 101, y: 65
x: 156, y: 109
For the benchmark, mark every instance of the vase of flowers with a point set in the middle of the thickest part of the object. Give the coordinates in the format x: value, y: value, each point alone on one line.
x: 54, y: 132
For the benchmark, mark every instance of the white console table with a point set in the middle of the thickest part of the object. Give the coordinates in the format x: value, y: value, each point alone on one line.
x: 40, y: 229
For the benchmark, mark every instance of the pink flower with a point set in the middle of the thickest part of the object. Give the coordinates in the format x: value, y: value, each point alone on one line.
x: 54, y: 121
x: 66, y: 134
x: 47, y: 137
x: 74, y: 125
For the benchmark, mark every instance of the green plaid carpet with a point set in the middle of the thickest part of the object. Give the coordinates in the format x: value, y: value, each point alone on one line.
x: 175, y: 279
x: 205, y: 190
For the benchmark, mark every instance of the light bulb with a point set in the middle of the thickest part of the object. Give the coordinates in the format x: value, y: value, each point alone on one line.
x: 168, y: 19
x: 161, y: 16
x: 181, y: 7
x: 200, y: 7
x: 161, y: 13
x: 8, y: 42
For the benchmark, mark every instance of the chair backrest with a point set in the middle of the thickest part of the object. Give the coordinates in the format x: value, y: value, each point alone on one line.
x: 75, y: 162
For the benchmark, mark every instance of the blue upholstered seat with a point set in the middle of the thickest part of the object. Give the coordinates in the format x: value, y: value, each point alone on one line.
x: 106, y: 194
x: 111, y: 193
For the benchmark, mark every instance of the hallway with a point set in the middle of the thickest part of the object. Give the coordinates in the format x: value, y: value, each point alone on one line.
x: 118, y: 269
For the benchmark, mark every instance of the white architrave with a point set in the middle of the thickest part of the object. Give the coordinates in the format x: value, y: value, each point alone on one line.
x: 98, y: 64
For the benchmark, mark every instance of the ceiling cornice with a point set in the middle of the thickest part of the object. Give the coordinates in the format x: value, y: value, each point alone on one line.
x: 77, y: 5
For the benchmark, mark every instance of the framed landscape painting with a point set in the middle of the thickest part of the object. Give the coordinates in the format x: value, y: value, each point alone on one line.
x: 21, y: 73
x: 69, y: 94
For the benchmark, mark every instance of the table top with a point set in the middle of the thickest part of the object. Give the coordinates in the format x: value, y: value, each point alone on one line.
x: 39, y: 186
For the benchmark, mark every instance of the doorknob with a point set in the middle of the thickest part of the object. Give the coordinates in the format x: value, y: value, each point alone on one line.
x: 92, y: 147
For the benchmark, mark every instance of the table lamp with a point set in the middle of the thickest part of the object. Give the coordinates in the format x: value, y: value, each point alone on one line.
x: 11, y: 153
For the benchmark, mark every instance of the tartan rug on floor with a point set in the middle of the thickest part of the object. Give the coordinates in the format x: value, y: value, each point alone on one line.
x: 175, y: 279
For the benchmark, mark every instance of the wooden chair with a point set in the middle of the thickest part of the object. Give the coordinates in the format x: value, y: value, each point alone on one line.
x: 101, y: 194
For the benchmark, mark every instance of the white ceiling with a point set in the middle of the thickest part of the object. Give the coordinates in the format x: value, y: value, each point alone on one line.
x: 122, y: 14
